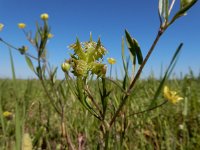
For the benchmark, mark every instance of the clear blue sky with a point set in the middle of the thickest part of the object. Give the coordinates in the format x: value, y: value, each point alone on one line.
x: 105, y: 18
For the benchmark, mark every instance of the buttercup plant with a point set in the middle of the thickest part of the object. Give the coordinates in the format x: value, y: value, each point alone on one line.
x: 85, y: 63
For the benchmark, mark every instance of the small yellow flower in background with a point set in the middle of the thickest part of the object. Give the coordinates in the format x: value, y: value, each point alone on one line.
x: 27, y: 142
x: 50, y: 35
x: 111, y: 61
x: 44, y: 16
x: 21, y: 25
x: 171, y: 95
x: 65, y: 66
x: 1, y: 26
x: 8, y: 115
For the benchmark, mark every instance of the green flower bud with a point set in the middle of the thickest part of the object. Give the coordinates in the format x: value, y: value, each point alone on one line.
x: 23, y: 49
x: 65, y: 67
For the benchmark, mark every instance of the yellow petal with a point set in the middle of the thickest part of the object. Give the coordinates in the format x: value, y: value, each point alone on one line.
x: 50, y: 35
x: 21, y: 25
x: 1, y: 26
x: 111, y: 61
x: 171, y: 95
x: 44, y: 16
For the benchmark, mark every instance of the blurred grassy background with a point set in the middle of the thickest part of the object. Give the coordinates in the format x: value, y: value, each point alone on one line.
x: 167, y: 127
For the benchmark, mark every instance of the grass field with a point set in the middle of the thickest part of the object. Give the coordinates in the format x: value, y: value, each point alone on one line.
x: 167, y: 127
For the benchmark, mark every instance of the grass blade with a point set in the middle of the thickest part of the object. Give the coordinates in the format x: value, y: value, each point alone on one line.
x: 167, y: 74
x: 12, y: 65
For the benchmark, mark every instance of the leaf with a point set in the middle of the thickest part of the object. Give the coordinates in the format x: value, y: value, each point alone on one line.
x: 12, y: 65
x: 163, y: 8
x: 167, y: 74
x: 184, y: 8
x: 134, y: 48
x: 124, y: 65
x: 30, y: 64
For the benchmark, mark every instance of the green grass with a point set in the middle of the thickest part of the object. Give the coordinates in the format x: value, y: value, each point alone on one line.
x: 167, y: 127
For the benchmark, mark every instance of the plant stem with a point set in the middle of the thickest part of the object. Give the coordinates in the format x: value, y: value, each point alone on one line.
x: 11, y: 46
x: 107, y: 137
x: 124, y: 99
x: 140, y: 112
x: 93, y: 101
x: 65, y: 133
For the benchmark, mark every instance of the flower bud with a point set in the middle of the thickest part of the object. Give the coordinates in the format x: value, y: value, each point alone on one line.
x: 65, y: 67
x: 23, y: 49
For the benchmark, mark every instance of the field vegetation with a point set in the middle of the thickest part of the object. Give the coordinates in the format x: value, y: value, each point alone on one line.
x: 166, y: 127
x: 91, y: 109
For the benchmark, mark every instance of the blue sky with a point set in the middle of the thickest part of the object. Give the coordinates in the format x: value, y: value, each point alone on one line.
x: 106, y: 19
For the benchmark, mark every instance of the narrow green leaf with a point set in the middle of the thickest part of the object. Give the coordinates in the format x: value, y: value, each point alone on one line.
x: 124, y: 65
x: 12, y: 65
x: 183, y: 10
x: 163, y: 8
x: 1, y: 117
x: 36, y: 39
x: 123, y: 56
x: 18, y: 129
x: 134, y: 48
x: 160, y: 7
x: 30, y: 64
x: 167, y: 74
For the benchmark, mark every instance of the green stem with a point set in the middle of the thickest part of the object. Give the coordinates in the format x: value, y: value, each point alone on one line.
x: 110, y: 71
x: 150, y: 109
x: 11, y: 46
x: 124, y: 99
x: 107, y: 137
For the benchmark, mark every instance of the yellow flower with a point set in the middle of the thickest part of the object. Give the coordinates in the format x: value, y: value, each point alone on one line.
x: 1, y: 26
x: 65, y: 66
x: 8, y: 115
x: 44, y: 16
x: 50, y: 35
x: 21, y: 25
x: 111, y: 61
x: 171, y: 95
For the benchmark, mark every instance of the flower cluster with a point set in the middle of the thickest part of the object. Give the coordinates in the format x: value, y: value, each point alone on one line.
x: 86, y: 58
